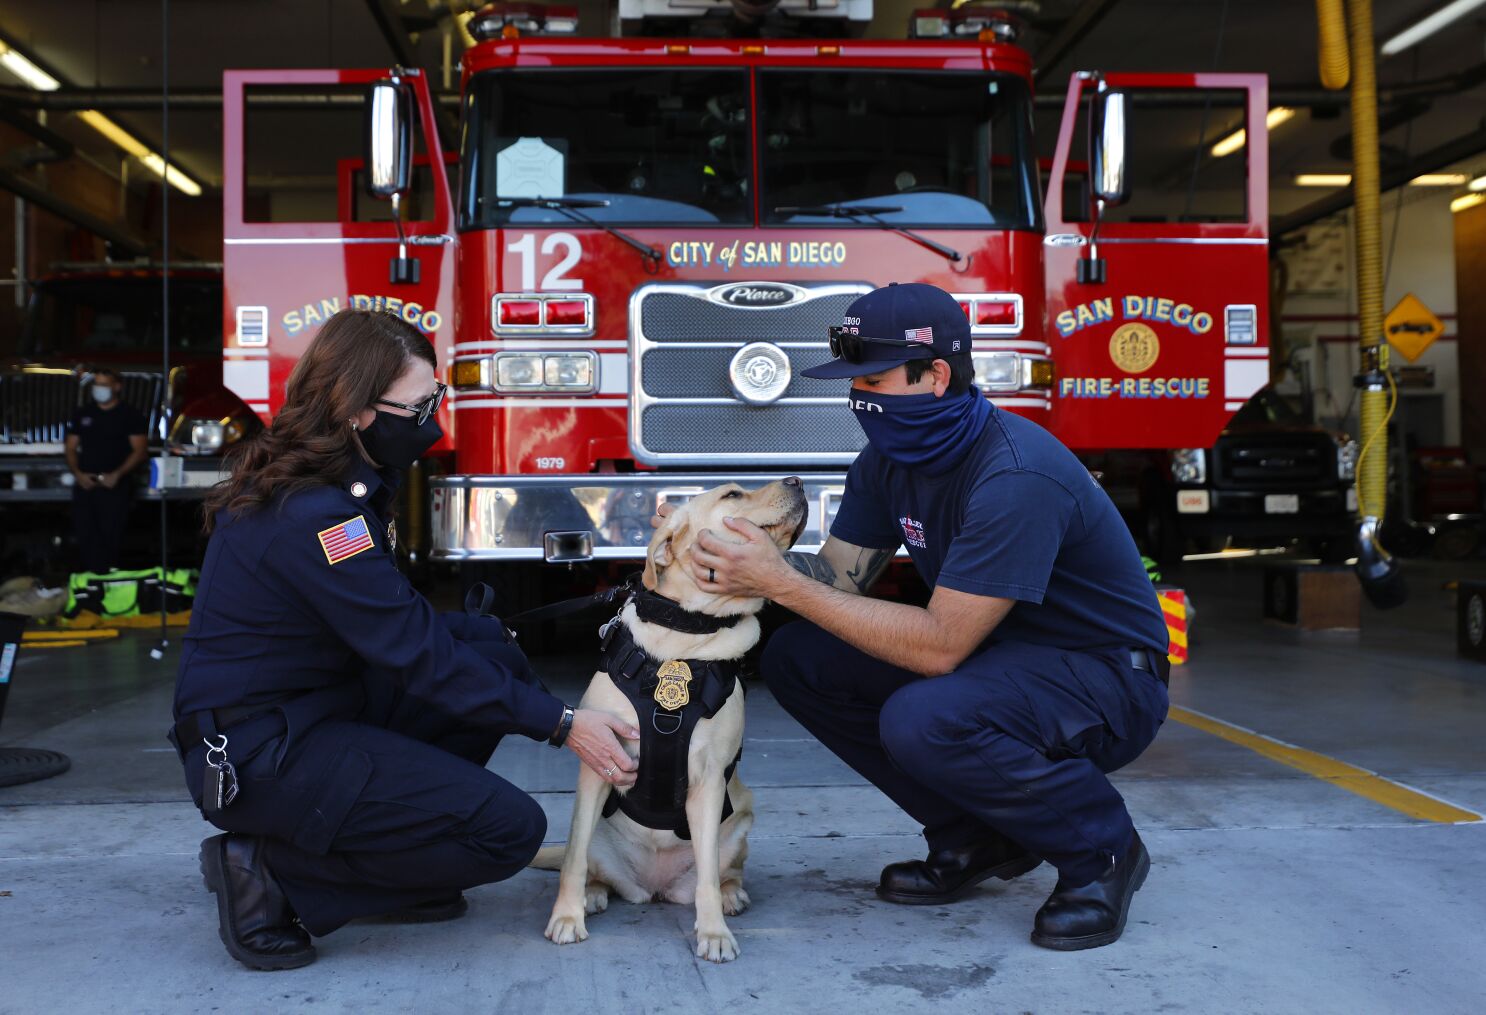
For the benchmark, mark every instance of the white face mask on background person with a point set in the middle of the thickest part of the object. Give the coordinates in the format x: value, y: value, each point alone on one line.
x: 102, y: 393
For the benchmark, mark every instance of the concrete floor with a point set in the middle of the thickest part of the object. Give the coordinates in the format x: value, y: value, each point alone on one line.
x: 1271, y: 890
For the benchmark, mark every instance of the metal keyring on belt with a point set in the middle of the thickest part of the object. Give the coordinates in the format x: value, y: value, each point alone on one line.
x: 711, y: 576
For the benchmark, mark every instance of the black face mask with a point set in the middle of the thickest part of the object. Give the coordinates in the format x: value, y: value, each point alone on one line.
x: 398, y: 441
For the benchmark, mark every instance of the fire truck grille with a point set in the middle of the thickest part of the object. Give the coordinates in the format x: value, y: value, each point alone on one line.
x: 703, y: 373
x: 682, y: 343
x: 36, y: 405
x: 772, y: 430
x: 1293, y: 462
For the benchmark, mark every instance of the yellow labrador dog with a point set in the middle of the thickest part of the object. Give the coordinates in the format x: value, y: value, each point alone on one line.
x: 618, y: 854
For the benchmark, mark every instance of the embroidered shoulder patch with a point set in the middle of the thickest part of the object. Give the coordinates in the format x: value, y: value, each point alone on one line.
x: 345, y: 540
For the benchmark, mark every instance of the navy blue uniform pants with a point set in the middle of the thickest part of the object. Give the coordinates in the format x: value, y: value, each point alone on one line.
x: 385, y: 808
x: 99, y: 518
x: 1017, y: 740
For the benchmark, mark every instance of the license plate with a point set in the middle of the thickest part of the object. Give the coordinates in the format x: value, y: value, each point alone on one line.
x: 1282, y: 503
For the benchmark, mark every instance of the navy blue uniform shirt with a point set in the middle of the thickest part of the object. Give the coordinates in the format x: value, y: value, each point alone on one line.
x: 103, y: 435
x: 302, y: 595
x: 1020, y: 518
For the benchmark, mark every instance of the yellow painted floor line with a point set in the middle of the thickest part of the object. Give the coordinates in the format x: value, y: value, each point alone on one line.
x: 1404, y: 799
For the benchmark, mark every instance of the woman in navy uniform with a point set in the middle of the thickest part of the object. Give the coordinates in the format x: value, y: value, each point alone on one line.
x: 329, y: 720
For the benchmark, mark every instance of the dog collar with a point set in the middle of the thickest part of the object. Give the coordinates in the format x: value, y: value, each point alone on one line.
x: 654, y: 608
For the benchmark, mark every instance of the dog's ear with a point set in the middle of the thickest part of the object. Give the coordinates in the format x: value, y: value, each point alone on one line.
x: 661, y: 554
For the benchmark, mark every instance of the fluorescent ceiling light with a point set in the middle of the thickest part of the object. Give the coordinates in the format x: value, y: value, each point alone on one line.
x: 1344, y: 179
x: 1479, y: 183
x: 16, y: 62
x: 1465, y: 201
x: 1425, y: 27
x: 131, y: 144
x: 1233, y: 142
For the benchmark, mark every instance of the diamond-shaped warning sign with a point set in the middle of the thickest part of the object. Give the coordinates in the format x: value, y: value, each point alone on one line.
x: 1411, y: 327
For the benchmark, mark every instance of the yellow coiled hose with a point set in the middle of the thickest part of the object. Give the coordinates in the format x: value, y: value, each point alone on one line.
x: 1333, y: 26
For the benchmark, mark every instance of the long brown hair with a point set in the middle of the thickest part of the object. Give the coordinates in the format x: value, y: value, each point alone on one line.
x: 355, y: 358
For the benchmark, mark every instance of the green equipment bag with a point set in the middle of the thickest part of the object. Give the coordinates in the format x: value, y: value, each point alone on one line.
x: 115, y: 594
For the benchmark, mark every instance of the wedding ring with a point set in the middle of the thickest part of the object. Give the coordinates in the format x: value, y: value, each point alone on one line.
x: 711, y: 576
x: 609, y: 771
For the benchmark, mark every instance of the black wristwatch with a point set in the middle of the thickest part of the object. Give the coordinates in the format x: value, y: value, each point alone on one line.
x: 564, y: 727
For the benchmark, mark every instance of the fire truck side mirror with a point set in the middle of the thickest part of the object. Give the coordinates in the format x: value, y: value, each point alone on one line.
x: 389, y: 139
x: 1110, y: 183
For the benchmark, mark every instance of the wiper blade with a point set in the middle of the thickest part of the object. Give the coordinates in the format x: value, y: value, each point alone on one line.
x: 569, y: 206
x: 838, y: 210
x: 870, y: 212
x: 553, y: 203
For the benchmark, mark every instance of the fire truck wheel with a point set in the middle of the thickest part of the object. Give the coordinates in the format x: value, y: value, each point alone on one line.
x: 520, y: 586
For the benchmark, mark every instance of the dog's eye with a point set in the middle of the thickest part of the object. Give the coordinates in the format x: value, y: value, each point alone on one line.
x: 732, y: 493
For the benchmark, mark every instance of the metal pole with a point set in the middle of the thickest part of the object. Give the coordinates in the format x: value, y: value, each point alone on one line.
x: 158, y: 652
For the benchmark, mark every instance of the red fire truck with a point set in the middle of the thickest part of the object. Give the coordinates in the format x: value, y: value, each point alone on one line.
x: 640, y: 242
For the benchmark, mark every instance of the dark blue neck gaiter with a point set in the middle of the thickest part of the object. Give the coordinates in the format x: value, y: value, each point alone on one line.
x: 921, y: 432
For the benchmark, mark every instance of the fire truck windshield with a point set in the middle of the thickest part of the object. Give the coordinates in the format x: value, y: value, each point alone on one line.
x: 940, y: 148
x: 657, y: 146
x: 97, y: 317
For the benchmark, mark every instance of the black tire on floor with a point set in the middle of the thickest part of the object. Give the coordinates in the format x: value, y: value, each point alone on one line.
x: 521, y: 586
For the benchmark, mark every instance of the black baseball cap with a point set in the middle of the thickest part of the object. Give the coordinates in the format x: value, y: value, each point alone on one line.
x: 893, y: 325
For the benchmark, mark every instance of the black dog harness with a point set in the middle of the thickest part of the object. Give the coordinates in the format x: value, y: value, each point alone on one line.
x: 670, y: 696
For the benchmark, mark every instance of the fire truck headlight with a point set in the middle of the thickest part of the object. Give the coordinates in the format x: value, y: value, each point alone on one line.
x: 1189, y: 466
x: 1346, y: 460
x: 515, y: 371
x: 207, y: 435
x: 569, y: 372
x: 997, y: 371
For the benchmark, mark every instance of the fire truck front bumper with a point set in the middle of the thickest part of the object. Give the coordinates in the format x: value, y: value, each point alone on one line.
x: 567, y: 519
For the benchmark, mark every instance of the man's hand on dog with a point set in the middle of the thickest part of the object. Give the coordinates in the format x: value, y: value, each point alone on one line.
x: 595, y: 739
x: 754, y: 567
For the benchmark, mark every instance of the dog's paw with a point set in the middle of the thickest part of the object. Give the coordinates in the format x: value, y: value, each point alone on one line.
x: 734, y: 898
x: 566, y: 929
x: 717, y: 945
x: 596, y: 899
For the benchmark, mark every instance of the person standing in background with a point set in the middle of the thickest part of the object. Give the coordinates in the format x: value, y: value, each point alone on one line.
x: 107, y: 440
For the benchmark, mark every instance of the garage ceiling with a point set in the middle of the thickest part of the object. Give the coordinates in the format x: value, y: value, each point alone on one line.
x: 116, y: 44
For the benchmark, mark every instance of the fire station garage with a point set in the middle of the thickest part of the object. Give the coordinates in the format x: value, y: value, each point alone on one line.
x: 742, y: 505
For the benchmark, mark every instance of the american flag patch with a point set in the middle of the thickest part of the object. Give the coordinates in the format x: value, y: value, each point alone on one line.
x: 924, y: 335
x: 346, y: 539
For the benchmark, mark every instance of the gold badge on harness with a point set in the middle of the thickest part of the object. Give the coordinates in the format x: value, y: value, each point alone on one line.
x: 671, y: 692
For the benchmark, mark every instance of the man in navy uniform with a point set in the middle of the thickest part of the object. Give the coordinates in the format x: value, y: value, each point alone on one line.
x: 107, y: 439
x: 1039, y: 665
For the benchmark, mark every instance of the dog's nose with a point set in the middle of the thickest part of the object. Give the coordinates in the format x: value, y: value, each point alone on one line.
x: 792, y: 481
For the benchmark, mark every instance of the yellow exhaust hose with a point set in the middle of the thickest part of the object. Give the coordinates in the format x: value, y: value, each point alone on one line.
x: 1333, y: 51
x: 1372, y: 462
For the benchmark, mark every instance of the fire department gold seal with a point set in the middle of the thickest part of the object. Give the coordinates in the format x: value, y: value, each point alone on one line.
x: 671, y: 692
x: 1134, y: 348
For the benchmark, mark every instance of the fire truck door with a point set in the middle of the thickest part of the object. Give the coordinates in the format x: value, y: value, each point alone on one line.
x: 1161, y: 333
x: 303, y: 237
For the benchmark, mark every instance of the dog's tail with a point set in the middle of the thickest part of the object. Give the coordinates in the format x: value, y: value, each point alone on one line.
x: 549, y: 858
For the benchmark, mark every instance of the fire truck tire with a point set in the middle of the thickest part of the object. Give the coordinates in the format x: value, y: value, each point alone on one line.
x: 519, y: 586
x: 1160, y: 535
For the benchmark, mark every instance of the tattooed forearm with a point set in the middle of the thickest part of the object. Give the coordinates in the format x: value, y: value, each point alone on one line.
x: 812, y: 566
x: 868, y: 568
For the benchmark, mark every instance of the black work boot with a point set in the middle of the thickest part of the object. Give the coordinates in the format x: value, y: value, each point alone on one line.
x: 450, y: 907
x: 1088, y: 916
x: 949, y: 874
x: 253, y: 916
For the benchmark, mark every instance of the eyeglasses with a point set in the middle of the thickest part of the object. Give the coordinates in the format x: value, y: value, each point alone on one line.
x: 848, y: 346
x: 423, y: 409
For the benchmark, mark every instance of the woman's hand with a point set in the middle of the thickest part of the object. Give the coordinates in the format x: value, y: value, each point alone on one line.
x: 594, y: 738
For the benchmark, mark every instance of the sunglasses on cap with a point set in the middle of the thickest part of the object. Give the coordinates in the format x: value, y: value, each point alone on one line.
x: 422, y: 410
x: 851, y: 347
